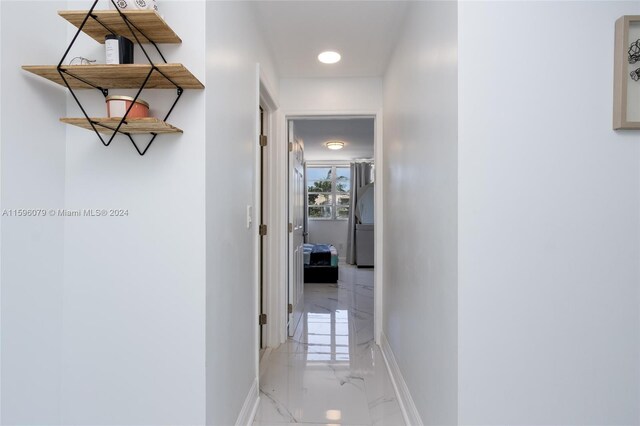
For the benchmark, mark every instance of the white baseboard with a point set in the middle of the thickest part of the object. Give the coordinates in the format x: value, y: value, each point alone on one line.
x: 250, y: 406
x: 408, y: 408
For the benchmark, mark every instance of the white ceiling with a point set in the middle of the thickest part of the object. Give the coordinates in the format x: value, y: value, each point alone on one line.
x: 357, y: 133
x: 363, y: 32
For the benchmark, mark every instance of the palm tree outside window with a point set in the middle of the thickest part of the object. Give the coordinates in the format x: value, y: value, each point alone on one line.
x: 328, y: 192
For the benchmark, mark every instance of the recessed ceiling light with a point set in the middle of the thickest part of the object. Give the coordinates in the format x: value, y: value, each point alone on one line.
x: 334, y: 415
x: 329, y: 57
x: 335, y: 145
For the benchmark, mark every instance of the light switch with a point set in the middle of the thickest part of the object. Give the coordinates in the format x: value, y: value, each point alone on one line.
x: 249, y: 216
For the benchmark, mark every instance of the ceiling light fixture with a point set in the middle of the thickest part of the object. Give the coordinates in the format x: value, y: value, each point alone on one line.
x: 329, y: 57
x: 335, y: 145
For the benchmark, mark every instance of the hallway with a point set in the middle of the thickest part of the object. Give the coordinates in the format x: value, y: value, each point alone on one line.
x: 330, y: 372
x: 140, y: 290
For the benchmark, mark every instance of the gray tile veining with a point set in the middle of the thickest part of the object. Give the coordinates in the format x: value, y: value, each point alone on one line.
x: 331, y: 371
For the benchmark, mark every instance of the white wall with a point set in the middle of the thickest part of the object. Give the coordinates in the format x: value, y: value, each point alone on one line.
x: 549, y: 218
x: 32, y: 152
x: 233, y: 48
x: 333, y: 232
x: 134, y: 291
x: 420, y: 227
x: 316, y: 95
x: 143, y: 337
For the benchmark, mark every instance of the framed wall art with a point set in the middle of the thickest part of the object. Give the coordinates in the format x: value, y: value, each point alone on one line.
x: 626, y: 102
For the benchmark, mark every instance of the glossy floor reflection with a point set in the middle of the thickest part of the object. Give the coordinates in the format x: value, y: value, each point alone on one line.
x: 331, y: 371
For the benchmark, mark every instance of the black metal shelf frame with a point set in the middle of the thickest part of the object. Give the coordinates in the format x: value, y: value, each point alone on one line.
x: 105, y: 91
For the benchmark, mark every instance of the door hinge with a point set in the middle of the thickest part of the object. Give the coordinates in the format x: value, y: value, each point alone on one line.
x: 290, y: 227
x: 263, y: 140
x: 262, y: 319
x: 263, y: 230
x: 290, y: 308
x: 290, y: 146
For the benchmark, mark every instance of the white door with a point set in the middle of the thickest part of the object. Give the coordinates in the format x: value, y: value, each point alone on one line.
x: 296, y: 237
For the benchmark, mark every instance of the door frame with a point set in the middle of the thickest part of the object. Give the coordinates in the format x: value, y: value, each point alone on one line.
x: 271, y: 242
x: 279, y: 212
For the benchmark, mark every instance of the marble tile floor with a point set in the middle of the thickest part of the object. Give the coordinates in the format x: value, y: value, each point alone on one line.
x: 330, y: 372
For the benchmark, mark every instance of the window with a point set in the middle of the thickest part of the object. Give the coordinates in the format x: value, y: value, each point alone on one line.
x: 328, y: 194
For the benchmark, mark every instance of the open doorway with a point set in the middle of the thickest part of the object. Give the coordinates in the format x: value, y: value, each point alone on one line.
x: 278, y: 296
x: 333, y: 160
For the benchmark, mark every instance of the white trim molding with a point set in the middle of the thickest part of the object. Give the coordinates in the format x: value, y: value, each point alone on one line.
x: 250, y: 406
x: 275, y: 243
x: 407, y: 406
x: 254, y: 212
x: 378, y: 229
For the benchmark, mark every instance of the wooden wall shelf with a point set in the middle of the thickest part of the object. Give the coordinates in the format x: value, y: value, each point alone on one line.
x: 142, y: 27
x: 134, y: 126
x: 123, y: 76
x: 626, y: 101
x: 148, y: 21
